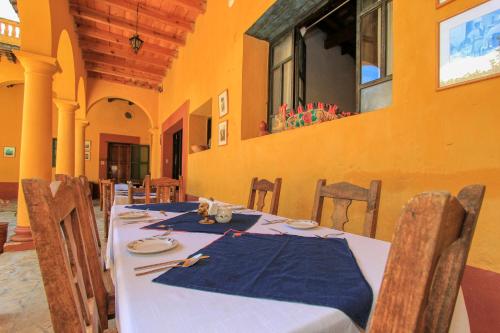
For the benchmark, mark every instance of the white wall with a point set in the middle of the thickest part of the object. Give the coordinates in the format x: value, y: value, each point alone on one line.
x: 330, y: 76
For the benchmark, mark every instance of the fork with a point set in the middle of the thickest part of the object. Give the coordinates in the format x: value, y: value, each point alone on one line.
x: 274, y: 221
x: 184, y: 264
x: 328, y: 235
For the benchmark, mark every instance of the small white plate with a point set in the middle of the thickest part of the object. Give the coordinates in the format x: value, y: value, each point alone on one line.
x: 152, y: 245
x: 302, y: 224
x: 133, y: 215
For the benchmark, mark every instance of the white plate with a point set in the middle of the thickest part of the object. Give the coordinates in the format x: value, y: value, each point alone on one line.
x: 302, y: 224
x: 133, y: 215
x: 151, y: 245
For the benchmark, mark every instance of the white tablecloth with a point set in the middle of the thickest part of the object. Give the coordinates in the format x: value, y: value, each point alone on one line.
x: 145, y: 306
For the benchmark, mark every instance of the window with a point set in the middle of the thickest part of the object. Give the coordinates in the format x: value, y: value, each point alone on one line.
x: 340, y: 54
x: 375, y: 54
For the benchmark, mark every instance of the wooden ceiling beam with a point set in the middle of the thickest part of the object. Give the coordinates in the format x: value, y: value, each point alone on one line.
x: 89, y: 45
x: 124, y: 24
x: 120, y: 62
x: 116, y: 79
x: 198, y: 6
x: 155, y: 14
x: 126, y: 73
x: 120, y: 40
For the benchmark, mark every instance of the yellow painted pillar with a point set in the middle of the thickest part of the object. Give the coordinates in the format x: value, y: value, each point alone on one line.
x: 36, y: 133
x: 65, y: 162
x: 80, y: 125
x: 155, y: 152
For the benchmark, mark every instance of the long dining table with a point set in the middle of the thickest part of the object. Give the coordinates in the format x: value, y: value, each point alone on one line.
x: 145, y: 306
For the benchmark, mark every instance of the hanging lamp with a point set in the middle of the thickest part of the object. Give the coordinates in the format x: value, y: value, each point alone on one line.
x: 135, y: 41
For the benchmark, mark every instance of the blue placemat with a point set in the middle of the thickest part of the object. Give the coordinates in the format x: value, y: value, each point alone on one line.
x: 189, y: 222
x: 286, y: 268
x: 174, y: 207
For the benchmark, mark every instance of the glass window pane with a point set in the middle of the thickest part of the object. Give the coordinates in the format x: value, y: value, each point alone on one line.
x: 283, y: 50
x: 389, y: 56
x: 287, y: 83
x: 370, y: 46
x: 376, y: 97
x: 276, y: 90
x: 368, y: 3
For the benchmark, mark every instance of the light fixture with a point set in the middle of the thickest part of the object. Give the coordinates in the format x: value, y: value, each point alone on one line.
x: 304, y: 29
x: 230, y: 3
x: 135, y: 41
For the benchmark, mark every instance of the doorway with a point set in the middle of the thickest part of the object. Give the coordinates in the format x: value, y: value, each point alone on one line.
x: 127, y: 162
x: 177, y: 155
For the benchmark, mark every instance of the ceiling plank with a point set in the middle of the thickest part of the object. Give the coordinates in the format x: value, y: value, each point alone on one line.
x: 121, y: 23
x: 155, y: 14
x: 197, y: 6
x: 89, y: 45
x: 122, y: 40
x: 126, y: 73
x: 120, y: 62
x: 116, y: 79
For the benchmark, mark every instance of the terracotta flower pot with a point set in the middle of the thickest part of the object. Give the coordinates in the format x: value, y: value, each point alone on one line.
x: 3, y: 234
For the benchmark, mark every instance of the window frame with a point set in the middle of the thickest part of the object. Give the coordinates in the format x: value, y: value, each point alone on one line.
x: 382, y: 4
x: 281, y: 65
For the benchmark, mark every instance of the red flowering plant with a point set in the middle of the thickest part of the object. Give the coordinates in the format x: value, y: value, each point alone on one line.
x: 314, y: 113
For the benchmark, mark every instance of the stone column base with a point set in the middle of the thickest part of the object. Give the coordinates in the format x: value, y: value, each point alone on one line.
x: 21, y: 241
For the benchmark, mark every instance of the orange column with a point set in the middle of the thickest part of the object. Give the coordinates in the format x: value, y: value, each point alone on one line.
x: 155, y: 152
x: 65, y: 163
x: 80, y: 125
x: 36, y: 135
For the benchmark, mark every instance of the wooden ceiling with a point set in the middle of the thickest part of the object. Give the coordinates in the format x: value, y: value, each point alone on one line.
x: 105, y: 26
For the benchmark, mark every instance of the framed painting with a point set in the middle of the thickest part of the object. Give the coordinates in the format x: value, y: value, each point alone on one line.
x: 223, y: 133
x: 469, y: 45
x: 9, y: 152
x: 223, y: 104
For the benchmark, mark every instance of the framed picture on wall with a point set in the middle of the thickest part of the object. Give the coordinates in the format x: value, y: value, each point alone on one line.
x: 87, y: 156
x: 87, y: 145
x: 223, y: 104
x: 223, y: 133
x: 9, y: 151
x: 469, y: 45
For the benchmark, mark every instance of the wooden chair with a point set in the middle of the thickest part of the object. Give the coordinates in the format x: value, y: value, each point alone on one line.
x: 56, y: 220
x: 262, y: 187
x: 167, y: 190
x: 426, y: 262
x: 101, y: 279
x: 343, y: 194
x: 133, y: 192
x: 108, y: 195
x: 101, y: 201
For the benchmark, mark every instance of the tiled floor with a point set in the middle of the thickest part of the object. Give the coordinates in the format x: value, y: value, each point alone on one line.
x: 23, y: 306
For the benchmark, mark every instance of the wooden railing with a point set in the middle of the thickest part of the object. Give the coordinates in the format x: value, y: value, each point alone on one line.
x: 10, y: 33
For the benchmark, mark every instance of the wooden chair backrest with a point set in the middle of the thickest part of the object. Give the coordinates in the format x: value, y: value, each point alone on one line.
x: 101, y: 201
x: 133, y: 192
x: 55, y: 225
x: 426, y: 262
x: 90, y: 238
x: 261, y: 187
x: 343, y: 194
x: 166, y: 190
x: 108, y: 195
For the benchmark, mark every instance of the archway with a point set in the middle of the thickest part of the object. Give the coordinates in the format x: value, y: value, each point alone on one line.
x: 113, y: 122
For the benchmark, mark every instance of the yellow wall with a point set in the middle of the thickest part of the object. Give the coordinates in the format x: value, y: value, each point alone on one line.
x: 109, y: 118
x: 427, y: 140
x: 11, y: 111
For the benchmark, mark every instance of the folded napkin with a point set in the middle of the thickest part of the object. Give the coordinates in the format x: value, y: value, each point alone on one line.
x: 173, y: 207
x: 189, y: 222
x: 286, y: 268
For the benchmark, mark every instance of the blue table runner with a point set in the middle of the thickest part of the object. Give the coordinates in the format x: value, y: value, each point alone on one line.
x: 285, y: 267
x: 173, y: 207
x: 189, y: 222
